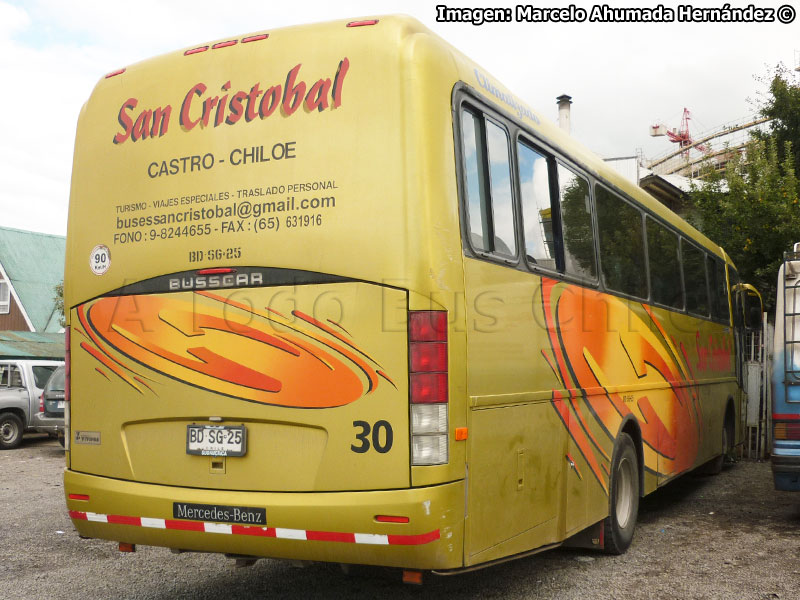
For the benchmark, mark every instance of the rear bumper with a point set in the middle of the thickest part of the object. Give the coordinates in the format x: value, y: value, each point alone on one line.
x: 47, y: 424
x: 330, y: 527
x: 786, y: 472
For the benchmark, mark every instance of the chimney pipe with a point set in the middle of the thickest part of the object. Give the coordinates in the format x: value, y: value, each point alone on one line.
x: 564, y: 102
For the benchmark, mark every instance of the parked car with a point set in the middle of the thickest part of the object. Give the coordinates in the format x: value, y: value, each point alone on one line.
x: 22, y: 383
x: 53, y: 398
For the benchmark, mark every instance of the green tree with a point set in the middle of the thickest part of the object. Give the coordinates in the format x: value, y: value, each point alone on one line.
x: 782, y: 105
x: 59, y: 300
x: 752, y: 210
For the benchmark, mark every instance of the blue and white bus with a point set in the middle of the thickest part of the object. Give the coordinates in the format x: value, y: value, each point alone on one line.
x: 786, y: 376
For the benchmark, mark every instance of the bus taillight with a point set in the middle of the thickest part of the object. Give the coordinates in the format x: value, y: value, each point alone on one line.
x: 787, y: 431
x: 427, y: 348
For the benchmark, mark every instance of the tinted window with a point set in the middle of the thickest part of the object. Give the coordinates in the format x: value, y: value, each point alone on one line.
x: 622, y: 256
x: 736, y: 297
x: 41, y: 374
x: 56, y: 381
x: 694, y: 278
x: 719, y: 289
x: 576, y: 224
x: 664, y: 260
x: 537, y: 212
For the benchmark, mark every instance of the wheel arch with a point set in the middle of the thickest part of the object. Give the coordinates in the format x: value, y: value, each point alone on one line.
x: 729, y: 419
x: 630, y: 425
x: 18, y: 412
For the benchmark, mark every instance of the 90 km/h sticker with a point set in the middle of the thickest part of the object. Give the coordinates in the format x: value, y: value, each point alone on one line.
x: 100, y: 259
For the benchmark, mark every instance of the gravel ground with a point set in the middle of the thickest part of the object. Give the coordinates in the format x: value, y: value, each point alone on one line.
x: 725, y: 537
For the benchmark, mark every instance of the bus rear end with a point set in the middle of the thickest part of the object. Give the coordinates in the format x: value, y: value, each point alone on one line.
x: 785, y: 456
x: 257, y: 365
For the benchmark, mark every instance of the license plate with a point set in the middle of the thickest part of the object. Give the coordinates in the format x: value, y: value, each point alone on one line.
x: 60, y: 404
x: 216, y: 440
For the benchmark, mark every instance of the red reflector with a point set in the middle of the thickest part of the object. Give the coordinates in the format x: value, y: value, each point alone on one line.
x: 412, y: 577
x: 255, y: 38
x: 126, y: 547
x: 428, y: 388
x: 224, y: 44
x: 220, y: 271
x: 391, y: 519
x: 195, y: 50
x: 430, y: 356
x: 427, y: 326
x: 41, y: 403
x: 362, y: 23
x: 84, y: 497
x: 115, y: 73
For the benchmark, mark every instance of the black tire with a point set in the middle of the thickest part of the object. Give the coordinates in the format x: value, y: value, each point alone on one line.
x: 714, y: 466
x: 623, y: 497
x: 10, y: 431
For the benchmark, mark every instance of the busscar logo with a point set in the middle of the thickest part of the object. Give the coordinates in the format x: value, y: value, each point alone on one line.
x: 199, y: 107
x: 200, y: 282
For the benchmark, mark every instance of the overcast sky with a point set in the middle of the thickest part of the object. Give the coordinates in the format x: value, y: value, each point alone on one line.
x: 623, y: 77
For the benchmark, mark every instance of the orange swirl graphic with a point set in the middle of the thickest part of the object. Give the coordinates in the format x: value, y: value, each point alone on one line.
x: 600, y: 344
x: 211, y: 342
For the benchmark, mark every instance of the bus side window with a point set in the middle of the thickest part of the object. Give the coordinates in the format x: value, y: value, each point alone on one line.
x: 576, y: 224
x: 737, y: 299
x: 663, y: 254
x: 719, y: 289
x: 490, y: 204
x: 502, y: 200
x: 477, y: 198
x: 694, y: 278
x: 622, y: 257
x: 537, y: 211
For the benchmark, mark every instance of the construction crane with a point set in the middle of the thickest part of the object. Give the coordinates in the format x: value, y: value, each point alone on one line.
x: 682, y: 137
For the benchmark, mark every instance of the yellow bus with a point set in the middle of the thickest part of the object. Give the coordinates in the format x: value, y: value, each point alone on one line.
x: 336, y: 294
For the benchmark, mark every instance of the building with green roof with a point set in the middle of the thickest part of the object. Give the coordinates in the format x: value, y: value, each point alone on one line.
x: 31, y: 265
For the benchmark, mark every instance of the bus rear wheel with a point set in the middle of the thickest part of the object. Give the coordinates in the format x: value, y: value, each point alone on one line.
x: 623, y: 497
x: 714, y: 466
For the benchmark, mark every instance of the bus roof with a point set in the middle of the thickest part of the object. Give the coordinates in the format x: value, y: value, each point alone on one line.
x: 143, y: 120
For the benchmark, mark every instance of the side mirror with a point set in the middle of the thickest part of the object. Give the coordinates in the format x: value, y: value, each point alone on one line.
x: 747, y: 306
x: 752, y: 310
